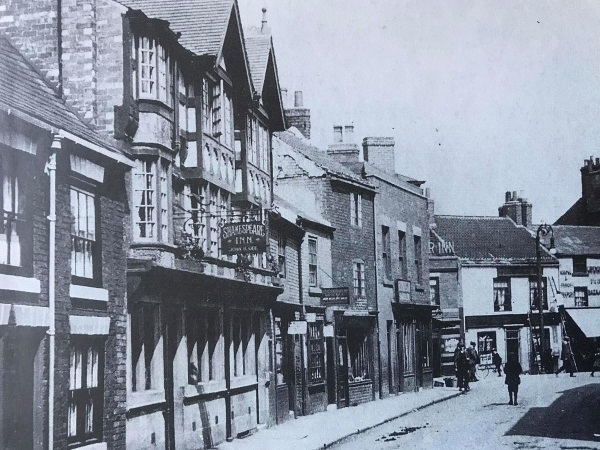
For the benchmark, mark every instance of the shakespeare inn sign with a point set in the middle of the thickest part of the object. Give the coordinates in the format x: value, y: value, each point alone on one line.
x: 243, y: 238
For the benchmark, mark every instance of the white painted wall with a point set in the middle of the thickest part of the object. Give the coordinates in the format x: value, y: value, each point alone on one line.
x: 567, y: 282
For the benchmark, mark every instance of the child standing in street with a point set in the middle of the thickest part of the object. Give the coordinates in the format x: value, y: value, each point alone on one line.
x: 513, y: 370
x: 497, y: 361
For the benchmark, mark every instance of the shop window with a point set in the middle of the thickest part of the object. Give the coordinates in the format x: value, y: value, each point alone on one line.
x: 146, y: 355
x: 360, y: 354
x: 15, y: 226
x: 434, y: 291
x: 279, y: 354
x: 486, y: 342
x: 581, y: 296
x: 408, y: 347
x: 356, y: 209
x: 358, y: 279
x: 316, y: 356
x: 203, y: 333
x: 418, y: 260
x: 313, y: 261
x: 385, y: 252
x: 151, y: 200
x: 84, y: 248
x: 86, y: 392
x: 402, y: 253
x: 579, y: 266
x: 534, y: 299
x: 425, y: 342
x: 152, y: 68
x: 243, y: 353
x: 502, y: 300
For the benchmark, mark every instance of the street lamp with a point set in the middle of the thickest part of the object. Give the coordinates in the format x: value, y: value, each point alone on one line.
x: 543, y: 230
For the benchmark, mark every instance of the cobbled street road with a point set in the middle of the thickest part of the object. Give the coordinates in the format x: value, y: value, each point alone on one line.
x: 553, y: 412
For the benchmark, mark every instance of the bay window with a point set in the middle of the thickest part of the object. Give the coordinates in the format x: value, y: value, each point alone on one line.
x: 14, y: 228
x: 151, y: 200
x: 196, y: 217
x: 152, y: 70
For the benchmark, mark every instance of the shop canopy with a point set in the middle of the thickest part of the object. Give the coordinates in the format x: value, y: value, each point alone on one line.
x: 587, y: 319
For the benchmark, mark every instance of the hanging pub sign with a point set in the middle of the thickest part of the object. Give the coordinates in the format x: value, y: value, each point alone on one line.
x: 246, y: 237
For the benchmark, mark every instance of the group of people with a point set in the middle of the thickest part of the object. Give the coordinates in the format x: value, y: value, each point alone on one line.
x: 465, y: 365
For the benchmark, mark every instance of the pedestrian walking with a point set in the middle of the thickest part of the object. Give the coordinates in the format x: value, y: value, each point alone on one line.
x: 596, y: 362
x: 473, y: 361
x: 497, y: 361
x: 513, y: 370
x: 462, y: 369
x: 567, y: 357
x: 547, y: 361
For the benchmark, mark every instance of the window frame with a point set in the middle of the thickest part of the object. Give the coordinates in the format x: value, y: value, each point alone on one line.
x: 533, y: 301
x: 418, y: 252
x: 356, y: 209
x: 313, y: 262
x: 359, y: 287
x: 160, y: 65
x: 95, y: 279
x: 281, y: 254
x: 578, y: 261
x: 160, y: 206
x: 435, y: 289
x: 402, y: 255
x: 497, y: 288
x: 81, y: 396
x: 584, y: 290
x: 18, y: 167
x: 386, y: 256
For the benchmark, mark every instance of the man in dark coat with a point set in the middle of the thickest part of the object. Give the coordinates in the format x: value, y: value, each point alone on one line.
x: 567, y: 357
x: 512, y: 370
x: 462, y: 369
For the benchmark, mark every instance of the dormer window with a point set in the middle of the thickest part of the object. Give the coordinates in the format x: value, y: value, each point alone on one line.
x: 152, y: 70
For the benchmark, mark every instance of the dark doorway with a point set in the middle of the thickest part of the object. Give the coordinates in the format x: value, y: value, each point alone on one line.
x: 171, y: 337
x: 342, y: 381
x: 331, y: 372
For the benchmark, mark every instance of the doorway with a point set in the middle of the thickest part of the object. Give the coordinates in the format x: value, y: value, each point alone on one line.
x: 513, y: 343
x: 342, y: 373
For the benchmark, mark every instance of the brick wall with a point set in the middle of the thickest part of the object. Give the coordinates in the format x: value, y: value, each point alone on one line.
x: 360, y: 392
x: 300, y: 119
x: 380, y: 152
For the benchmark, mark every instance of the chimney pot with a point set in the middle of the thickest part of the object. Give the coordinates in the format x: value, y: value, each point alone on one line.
x: 337, y: 134
x: 598, y: 161
x: 298, y: 103
x: 514, y: 196
x: 507, y: 196
x: 349, y: 134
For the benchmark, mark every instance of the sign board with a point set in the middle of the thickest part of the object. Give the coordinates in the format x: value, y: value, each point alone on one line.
x: 328, y: 331
x: 297, y: 327
x: 243, y: 237
x: 403, y: 291
x: 485, y: 358
x: 311, y: 317
x: 335, y: 296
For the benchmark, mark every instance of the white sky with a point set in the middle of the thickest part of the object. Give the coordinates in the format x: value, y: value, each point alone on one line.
x: 482, y: 96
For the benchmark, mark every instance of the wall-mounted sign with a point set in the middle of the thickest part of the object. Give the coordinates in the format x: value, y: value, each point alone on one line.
x: 311, y: 317
x: 441, y: 248
x: 246, y: 237
x: 297, y: 327
x: 403, y: 291
x: 335, y: 296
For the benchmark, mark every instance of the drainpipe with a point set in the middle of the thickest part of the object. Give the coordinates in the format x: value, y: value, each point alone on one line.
x: 51, y: 170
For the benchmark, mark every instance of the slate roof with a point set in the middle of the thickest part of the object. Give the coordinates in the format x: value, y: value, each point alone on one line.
x: 393, y: 178
x: 321, y: 159
x: 258, y: 49
x: 488, y: 238
x: 202, y: 23
x: 576, y: 240
x: 24, y: 89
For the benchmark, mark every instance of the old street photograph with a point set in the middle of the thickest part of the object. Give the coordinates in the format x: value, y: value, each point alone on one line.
x: 299, y: 224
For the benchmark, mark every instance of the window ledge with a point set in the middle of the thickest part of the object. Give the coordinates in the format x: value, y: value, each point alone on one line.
x: 96, y: 446
x: 88, y: 293
x: 20, y: 284
x: 208, y: 387
x: 419, y: 288
x: 387, y: 283
x: 146, y: 398
x: 580, y: 274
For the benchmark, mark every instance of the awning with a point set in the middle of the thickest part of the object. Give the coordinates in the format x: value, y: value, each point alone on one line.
x: 587, y: 319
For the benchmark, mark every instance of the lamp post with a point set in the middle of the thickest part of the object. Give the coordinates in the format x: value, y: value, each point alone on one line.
x: 543, y: 230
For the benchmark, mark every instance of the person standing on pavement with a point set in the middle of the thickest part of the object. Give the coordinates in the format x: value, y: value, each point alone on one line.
x: 567, y: 357
x: 497, y: 361
x: 596, y: 362
x: 473, y: 360
x: 513, y: 370
x: 462, y: 369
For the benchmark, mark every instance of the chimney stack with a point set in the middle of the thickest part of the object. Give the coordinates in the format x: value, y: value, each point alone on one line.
x: 344, y: 149
x: 380, y: 152
x: 590, y: 185
x: 298, y: 116
x: 517, y: 208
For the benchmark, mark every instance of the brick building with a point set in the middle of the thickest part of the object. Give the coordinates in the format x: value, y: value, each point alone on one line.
x: 62, y: 263
x: 346, y: 201
x: 194, y: 105
x: 586, y: 210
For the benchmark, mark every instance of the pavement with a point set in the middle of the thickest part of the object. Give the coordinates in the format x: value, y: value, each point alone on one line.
x: 325, y: 429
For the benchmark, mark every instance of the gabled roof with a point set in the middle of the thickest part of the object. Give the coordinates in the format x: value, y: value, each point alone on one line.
x: 202, y: 23
x: 321, y: 159
x: 300, y: 213
x: 402, y: 181
x: 264, y: 74
x: 570, y: 240
x: 494, y: 239
x: 23, y: 89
